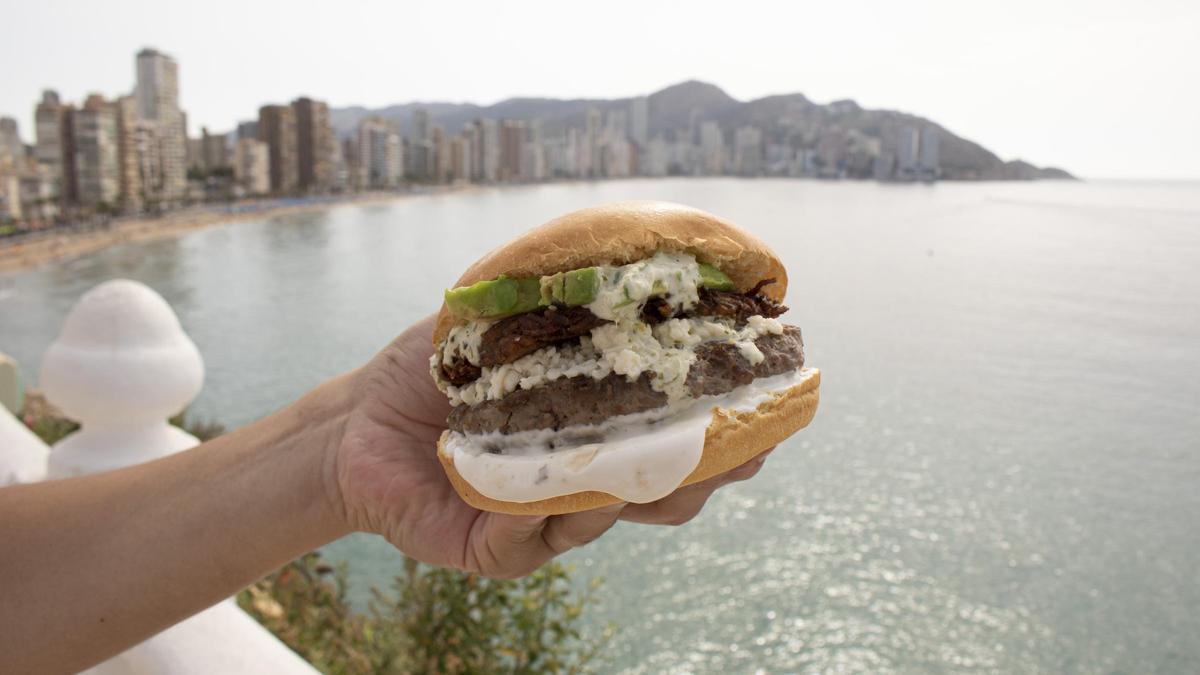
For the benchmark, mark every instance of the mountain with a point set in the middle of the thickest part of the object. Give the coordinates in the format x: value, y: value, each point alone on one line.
x: 858, y: 133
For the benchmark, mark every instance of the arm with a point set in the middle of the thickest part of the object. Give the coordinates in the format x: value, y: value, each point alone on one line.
x: 94, y: 565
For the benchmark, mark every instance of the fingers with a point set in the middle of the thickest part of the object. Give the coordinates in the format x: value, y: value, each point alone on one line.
x: 686, y: 503
x: 513, y: 546
x: 563, y: 533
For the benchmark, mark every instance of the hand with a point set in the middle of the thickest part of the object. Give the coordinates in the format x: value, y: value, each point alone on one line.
x: 390, y: 480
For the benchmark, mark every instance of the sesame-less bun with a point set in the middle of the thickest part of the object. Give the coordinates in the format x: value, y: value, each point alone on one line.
x: 622, y: 233
x: 732, y: 439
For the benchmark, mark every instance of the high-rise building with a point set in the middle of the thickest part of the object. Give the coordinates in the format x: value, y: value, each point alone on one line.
x: 931, y: 167
x: 252, y: 166
x: 248, y: 129
x: 907, y: 142
x: 10, y: 194
x: 379, y: 153
x: 97, y: 167
x: 748, y: 151
x: 277, y: 128
x: 214, y: 150
x: 712, y: 148
x: 489, y: 142
x: 157, y: 94
x: 439, y: 167
x: 533, y: 153
x: 314, y: 142
x: 422, y: 125
x: 639, y: 121
x: 48, y: 129
x: 657, y: 158
x: 12, y: 151
x: 195, y: 155
x: 592, y: 162
x: 512, y: 141
x: 129, y: 173
x: 70, y: 177
x: 460, y: 158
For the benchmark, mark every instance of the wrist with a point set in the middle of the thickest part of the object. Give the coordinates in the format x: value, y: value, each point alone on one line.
x: 293, y: 456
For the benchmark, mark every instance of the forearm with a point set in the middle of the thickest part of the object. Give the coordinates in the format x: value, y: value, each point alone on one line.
x: 94, y: 565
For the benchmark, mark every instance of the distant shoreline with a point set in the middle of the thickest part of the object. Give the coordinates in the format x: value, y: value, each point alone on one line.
x: 66, y: 243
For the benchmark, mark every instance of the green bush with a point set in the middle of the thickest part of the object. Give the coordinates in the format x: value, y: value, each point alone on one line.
x: 438, y: 621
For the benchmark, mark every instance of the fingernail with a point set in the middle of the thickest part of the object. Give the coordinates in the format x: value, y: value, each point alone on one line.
x: 613, y: 508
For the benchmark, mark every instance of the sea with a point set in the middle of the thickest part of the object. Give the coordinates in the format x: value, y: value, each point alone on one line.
x: 1004, y: 474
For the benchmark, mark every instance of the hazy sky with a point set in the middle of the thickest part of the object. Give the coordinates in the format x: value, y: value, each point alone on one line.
x: 1103, y: 89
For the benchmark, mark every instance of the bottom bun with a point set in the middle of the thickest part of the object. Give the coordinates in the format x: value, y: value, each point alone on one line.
x: 732, y: 439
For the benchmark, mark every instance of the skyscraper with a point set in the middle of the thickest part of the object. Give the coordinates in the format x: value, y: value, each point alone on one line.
x: 12, y: 151
x: 489, y: 141
x: 930, y: 160
x: 906, y: 153
x: 252, y: 166
x: 512, y: 141
x: 314, y: 142
x: 48, y: 123
x: 421, y: 125
x: 128, y: 166
x: 712, y: 145
x: 639, y: 121
x: 439, y: 158
x: 591, y: 165
x: 380, y: 157
x: 748, y: 151
x: 214, y: 150
x: 97, y: 166
x: 277, y: 128
x: 157, y: 94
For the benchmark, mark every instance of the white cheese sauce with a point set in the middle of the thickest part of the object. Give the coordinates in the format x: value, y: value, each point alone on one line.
x: 624, y: 289
x: 637, y: 458
x: 665, y: 351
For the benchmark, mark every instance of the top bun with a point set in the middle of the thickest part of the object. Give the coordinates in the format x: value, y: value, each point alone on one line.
x: 622, y: 233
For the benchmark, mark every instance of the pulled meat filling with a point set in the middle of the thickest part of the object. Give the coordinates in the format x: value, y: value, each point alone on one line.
x: 509, y: 339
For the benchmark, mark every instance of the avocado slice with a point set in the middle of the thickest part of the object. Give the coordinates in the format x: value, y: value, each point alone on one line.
x: 492, y: 299
x: 711, y: 277
x: 507, y: 296
x: 574, y: 288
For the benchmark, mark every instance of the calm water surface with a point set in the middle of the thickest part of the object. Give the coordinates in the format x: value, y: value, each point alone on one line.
x: 1004, y: 474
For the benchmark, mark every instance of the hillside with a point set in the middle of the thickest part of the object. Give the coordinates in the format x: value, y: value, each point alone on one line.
x: 790, y: 118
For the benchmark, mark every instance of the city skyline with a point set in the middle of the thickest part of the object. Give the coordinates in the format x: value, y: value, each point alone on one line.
x: 1045, y: 83
x: 131, y: 154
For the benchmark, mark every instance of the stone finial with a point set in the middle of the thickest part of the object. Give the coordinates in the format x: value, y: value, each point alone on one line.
x: 120, y: 367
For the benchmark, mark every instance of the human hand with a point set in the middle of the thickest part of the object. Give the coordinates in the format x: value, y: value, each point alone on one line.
x: 390, y: 481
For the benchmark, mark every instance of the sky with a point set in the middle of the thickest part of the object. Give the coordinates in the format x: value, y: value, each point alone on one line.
x: 1103, y: 89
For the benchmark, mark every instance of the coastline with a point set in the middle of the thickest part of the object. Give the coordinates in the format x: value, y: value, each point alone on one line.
x: 72, y: 242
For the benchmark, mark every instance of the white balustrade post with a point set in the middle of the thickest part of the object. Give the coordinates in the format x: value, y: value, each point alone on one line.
x: 120, y: 367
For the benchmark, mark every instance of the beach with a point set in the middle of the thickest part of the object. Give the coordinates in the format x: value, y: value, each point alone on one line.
x: 68, y: 242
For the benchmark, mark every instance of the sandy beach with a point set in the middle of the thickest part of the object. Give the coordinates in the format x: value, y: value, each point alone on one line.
x: 68, y: 242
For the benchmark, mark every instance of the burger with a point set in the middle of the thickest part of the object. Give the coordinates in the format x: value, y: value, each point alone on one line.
x: 616, y: 354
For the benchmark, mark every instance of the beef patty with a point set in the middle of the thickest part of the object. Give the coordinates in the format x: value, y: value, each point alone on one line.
x: 719, y: 367
x: 509, y: 339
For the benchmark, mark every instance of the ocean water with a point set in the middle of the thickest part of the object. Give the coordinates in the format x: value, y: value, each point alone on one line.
x: 1004, y: 475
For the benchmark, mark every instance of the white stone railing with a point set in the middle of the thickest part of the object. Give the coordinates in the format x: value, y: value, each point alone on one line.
x: 120, y: 367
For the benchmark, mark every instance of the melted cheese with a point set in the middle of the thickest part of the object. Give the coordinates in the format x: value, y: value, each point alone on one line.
x: 637, y: 458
